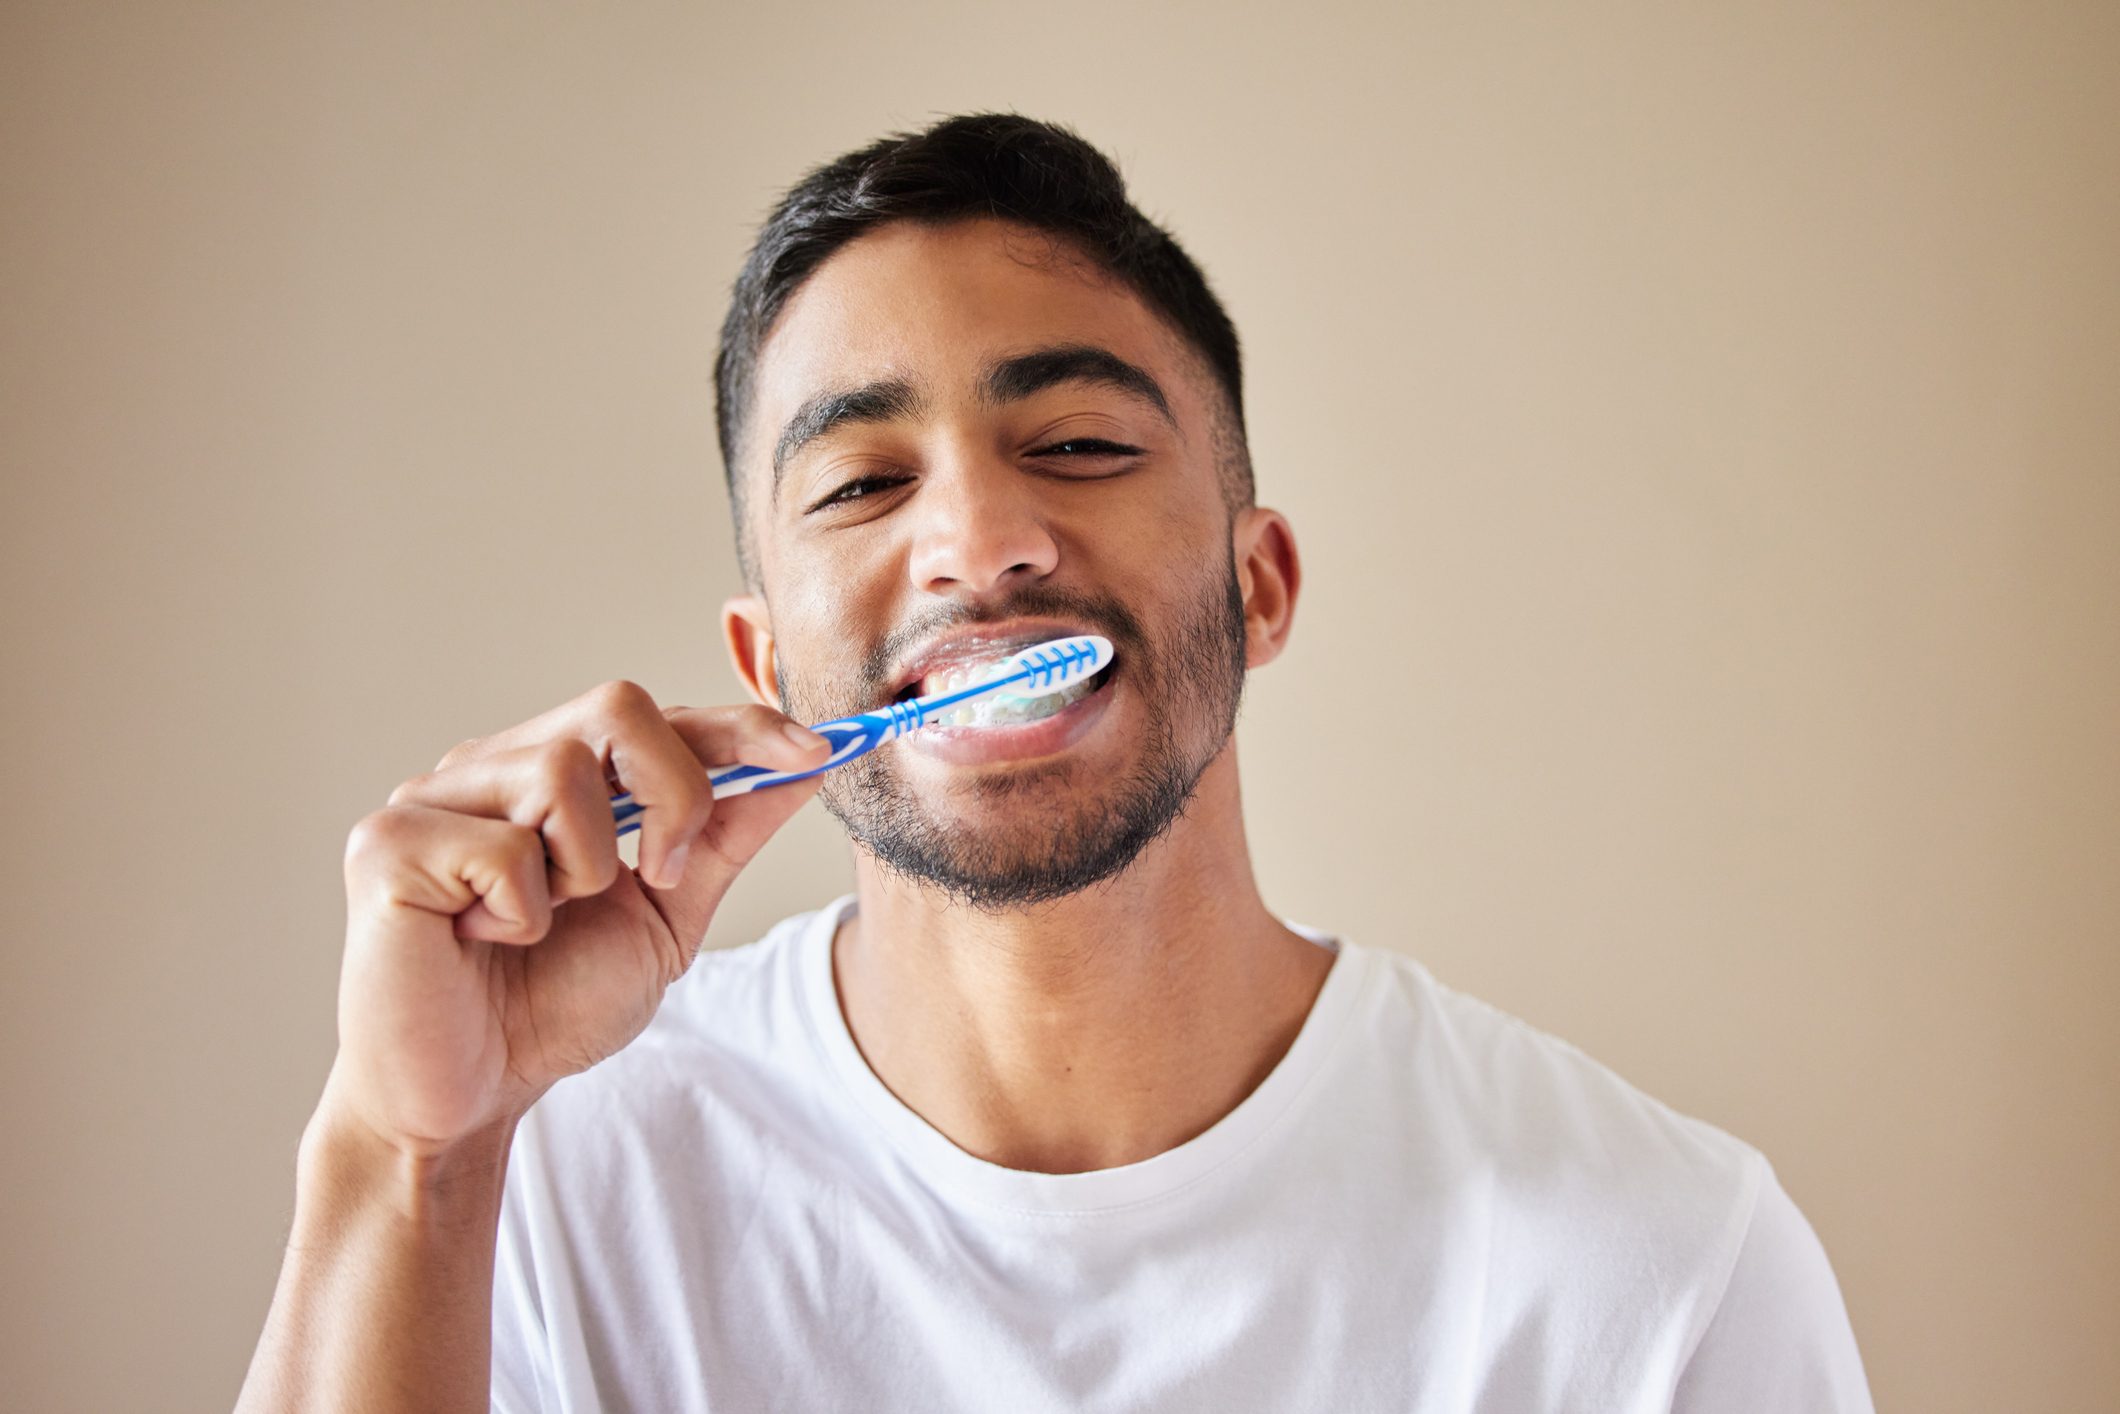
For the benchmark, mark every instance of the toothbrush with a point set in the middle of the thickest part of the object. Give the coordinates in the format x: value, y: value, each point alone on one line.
x: 1034, y: 672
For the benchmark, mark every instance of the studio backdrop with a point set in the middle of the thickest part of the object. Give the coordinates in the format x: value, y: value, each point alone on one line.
x: 1697, y: 422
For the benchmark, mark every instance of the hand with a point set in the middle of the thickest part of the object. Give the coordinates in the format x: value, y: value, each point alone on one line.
x: 495, y: 941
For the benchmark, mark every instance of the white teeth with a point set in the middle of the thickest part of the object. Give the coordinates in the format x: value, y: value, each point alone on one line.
x: 1004, y: 708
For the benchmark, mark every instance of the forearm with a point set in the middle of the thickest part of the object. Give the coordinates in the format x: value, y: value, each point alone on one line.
x: 385, y: 1297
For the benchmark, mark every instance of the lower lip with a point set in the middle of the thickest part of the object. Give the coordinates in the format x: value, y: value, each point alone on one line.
x: 981, y: 746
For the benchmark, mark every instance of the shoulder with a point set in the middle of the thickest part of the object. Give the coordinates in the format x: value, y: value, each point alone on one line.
x: 1780, y: 1337
x: 1584, y: 1191
x: 1559, y: 1153
x: 1540, y: 1103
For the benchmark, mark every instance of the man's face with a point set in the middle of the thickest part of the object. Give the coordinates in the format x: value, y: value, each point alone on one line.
x: 965, y: 440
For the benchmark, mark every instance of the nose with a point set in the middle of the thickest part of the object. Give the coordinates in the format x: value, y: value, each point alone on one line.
x: 979, y: 529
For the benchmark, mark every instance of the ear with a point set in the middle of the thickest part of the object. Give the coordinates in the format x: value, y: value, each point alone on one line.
x: 747, y: 625
x: 1269, y: 576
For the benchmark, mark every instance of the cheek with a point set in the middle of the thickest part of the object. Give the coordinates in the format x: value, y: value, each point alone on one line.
x: 825, y: 639
x: 1192, y: 525
x: 835, y: 587
x: 817, y: 592
x: 806, y: 686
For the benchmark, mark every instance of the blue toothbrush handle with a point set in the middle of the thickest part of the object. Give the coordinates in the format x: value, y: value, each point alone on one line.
x: 1045, y: 668
x: 850, y: 737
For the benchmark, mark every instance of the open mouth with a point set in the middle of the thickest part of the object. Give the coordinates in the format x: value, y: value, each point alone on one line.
x: 1004, y: 708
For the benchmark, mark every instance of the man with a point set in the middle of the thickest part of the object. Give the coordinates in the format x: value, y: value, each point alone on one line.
x: 1052, y: 1113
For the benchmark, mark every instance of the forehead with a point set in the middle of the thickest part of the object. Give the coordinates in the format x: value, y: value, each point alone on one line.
x: 936, y: 304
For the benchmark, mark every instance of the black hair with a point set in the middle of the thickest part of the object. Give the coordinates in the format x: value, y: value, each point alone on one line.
x: 1037, y: 174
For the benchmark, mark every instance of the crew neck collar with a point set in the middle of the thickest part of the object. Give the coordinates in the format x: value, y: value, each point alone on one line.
x: 946, y: 1166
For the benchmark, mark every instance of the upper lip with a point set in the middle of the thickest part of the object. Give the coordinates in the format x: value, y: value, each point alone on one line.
x: 975, y: 645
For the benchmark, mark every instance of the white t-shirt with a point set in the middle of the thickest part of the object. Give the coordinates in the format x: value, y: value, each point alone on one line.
x: 1427, y: 1205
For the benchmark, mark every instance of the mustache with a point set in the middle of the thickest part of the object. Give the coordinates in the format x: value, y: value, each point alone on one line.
x: 1094, y: 612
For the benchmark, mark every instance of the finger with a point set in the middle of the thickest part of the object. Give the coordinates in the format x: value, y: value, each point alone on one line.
x: 489, y: 875
x: 571, y: 718
x: 567, y: 719
x: 734, y: 833
x: 662, y: 770
x: 716, y: 736
x: 556, y: 788
x: 621, y: 724
x: 651, y: 761
x: 747, y: 736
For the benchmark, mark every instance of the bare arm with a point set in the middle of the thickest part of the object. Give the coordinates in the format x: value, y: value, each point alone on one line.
x: 385, y: 1300
x: 496, y: 943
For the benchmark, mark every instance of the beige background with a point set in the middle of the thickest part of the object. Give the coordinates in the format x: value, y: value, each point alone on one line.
x: 1699, y: 420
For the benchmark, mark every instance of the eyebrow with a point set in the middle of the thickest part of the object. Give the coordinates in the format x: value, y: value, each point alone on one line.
x: 885, y: 400
x: 1013, y: 379
x: 1006, y: 381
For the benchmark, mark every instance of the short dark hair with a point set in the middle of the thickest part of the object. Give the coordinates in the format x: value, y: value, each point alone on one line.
x: 1002, y: 165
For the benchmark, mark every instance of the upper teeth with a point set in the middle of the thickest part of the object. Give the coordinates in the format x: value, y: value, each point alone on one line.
x: 1003, y: 707
x: 957, y: 679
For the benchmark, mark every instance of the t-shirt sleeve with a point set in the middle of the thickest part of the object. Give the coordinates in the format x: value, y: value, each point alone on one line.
x: 1780, y: 1339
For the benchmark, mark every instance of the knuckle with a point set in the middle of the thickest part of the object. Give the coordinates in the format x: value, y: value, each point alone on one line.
x: 586, y: 878
x: 456, y: 755
x: 760, y: 718
x: 598, y: 869
x: 565, y: 764
x: 690, y: 794
x: 374, y: 836
x: 522, y: 851
x: 411, y: 788
x: 534, y: 903
x: 622, y: 697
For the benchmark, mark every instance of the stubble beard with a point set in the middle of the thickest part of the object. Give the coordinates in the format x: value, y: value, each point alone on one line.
x: 1066, y: 834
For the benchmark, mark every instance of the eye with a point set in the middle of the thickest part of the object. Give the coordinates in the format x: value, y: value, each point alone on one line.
x: 858, y: 488
x: 1087, y: 447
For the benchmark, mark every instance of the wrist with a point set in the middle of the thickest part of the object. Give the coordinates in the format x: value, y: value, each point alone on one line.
x: 346, y: 1164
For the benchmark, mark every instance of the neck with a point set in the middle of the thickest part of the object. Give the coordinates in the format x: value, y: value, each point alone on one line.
x: 1098, y: 1030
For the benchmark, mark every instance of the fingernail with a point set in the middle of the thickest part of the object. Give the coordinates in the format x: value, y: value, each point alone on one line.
x: 673, y: 870
x: 803, y: 737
